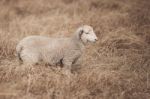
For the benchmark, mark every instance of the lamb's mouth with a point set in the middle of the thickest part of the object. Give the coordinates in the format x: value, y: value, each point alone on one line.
x: 91, y: 41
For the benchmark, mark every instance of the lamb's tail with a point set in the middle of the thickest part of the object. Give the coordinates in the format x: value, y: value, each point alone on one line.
x: 19, y: 50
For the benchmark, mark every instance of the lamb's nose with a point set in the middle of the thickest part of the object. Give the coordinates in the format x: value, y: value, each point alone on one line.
x: 96, y: 39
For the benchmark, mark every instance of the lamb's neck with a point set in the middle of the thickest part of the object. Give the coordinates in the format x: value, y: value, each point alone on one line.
x: 79, y: 43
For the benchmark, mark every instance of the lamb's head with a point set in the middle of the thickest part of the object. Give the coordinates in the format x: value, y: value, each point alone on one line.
x: 86, y: 34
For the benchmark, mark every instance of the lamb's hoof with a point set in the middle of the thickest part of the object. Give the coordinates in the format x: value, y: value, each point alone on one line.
x: 67, y: 73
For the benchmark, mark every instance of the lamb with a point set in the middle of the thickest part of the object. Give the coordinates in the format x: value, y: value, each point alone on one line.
x: 33, y: 49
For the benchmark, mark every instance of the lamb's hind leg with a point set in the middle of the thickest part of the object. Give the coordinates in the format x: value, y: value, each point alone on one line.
x: 29, y: 58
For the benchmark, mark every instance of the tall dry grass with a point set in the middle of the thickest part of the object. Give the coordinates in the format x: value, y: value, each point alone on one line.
x: 116, y: 67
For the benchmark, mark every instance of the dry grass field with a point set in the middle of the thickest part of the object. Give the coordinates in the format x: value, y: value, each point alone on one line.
x: 116, y: 67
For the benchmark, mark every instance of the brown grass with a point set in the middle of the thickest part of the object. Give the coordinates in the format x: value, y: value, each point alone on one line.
x: 116, y: 67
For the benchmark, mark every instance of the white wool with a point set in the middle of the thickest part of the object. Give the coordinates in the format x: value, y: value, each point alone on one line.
x: 33, y: 49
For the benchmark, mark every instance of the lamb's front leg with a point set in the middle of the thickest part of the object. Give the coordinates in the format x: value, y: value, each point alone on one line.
x: 70, y: 58
x: 77, y: 61
x: 67, y: 65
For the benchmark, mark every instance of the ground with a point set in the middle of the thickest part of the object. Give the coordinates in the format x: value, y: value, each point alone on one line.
x: 116, y: 67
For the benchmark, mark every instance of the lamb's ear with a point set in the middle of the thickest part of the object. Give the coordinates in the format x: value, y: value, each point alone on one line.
x: 80, y: 33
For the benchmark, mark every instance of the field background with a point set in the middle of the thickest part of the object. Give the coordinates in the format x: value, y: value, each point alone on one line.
x: 116, y: 67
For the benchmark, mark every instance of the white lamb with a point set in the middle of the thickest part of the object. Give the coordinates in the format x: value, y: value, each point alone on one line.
x: 33, y: 49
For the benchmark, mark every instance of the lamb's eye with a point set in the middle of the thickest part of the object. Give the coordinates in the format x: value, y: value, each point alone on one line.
x: 86, y: 32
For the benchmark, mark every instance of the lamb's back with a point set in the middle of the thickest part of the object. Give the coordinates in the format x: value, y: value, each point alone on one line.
x: 42, y: 42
